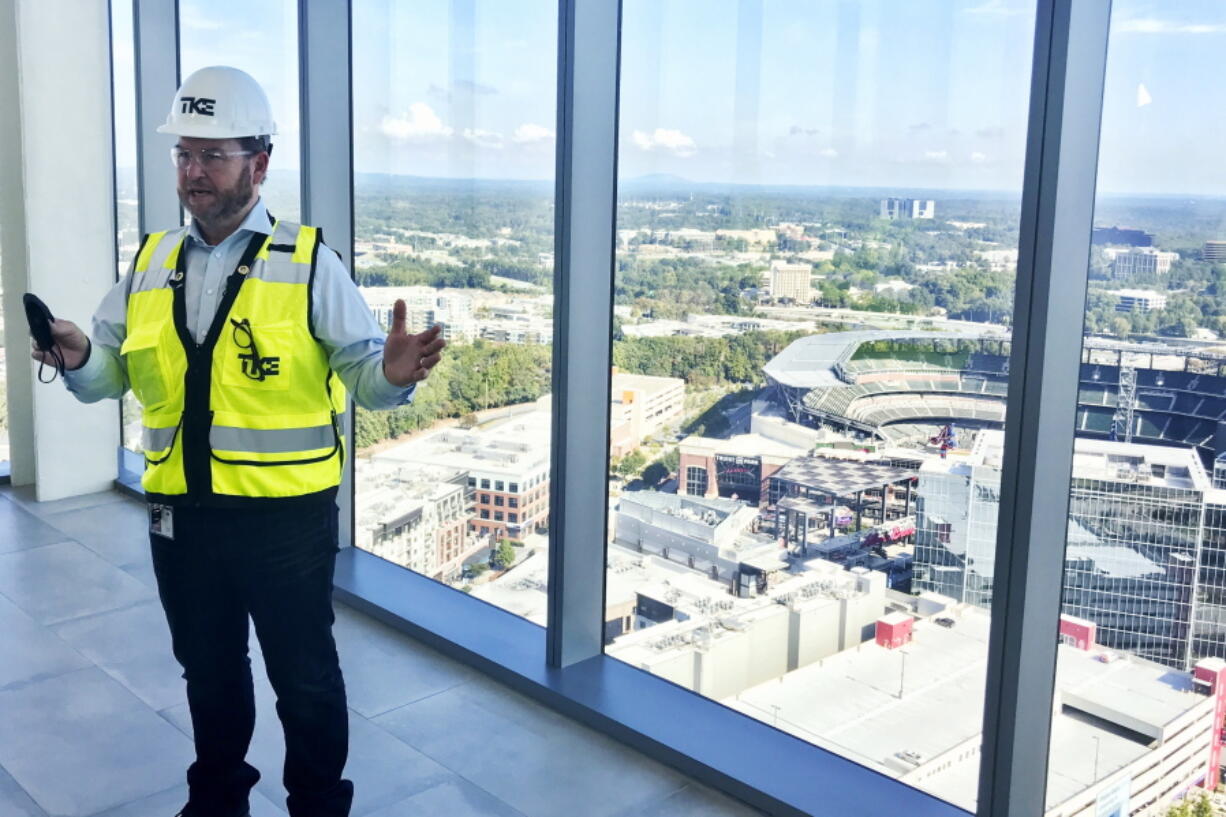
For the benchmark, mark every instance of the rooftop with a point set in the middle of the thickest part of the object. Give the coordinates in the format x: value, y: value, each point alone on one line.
x: 514, y: 443
x: 864, y: 703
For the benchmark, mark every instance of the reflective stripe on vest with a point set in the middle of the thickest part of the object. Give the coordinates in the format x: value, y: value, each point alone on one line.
x: 272, y: 423
x: 271, y: 440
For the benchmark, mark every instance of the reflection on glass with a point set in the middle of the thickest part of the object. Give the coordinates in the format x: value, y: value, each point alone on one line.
x: 817, y: 241
x: 261, y: 39
x: 1140, y: 676
x: 454, y: 153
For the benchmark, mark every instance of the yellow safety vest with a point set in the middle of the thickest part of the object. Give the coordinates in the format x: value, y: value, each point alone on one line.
x: 254, y: 412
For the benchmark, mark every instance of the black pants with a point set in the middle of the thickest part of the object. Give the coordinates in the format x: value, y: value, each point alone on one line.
x: 275, y: 566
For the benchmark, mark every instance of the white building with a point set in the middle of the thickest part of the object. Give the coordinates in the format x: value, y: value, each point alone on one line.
x: 791, y: 281
x: 424, y: 307
x: 1139, y: 300
x: 641, y: 406
x: 908, y: 208
x: 1142, y: 260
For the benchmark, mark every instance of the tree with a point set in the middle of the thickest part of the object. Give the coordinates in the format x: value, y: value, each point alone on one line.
x: 503, y: 556
x: 632, y: 463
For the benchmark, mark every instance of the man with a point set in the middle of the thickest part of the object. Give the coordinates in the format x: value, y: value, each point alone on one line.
x: 241, y: 335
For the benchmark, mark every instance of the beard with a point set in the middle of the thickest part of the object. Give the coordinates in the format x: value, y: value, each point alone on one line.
x: 225, y: 204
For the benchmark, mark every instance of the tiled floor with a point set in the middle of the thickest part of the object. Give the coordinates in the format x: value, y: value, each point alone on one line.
x: 94, y: 720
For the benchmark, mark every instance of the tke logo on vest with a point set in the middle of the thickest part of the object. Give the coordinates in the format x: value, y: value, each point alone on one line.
x: 260, y: 368
x: 197, y: 104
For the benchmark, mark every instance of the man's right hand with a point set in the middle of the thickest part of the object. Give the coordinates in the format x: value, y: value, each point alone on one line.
x: 72, y: 342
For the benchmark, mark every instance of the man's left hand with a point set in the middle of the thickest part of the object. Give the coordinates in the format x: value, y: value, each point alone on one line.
x: 409, y: 358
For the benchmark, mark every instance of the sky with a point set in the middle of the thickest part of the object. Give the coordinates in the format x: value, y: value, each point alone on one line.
x: 872, y: 93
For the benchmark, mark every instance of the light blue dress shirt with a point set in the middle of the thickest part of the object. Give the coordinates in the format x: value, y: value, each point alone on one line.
x: 342, y: 321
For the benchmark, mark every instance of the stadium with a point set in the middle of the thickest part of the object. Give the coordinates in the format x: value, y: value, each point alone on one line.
x: 904, y: 388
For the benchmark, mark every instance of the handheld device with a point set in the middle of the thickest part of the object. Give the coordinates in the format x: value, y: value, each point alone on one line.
x: 39, y: 317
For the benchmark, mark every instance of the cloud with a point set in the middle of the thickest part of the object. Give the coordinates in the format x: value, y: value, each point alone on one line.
x: 936, y: 155
x: 192, y: 20
x: 672, y: 141
x: 797, y: 130
x: 475, y: 88
x: 829, y: 153
x: 979, y: 158
x: 1151, y: 25
x: 484, y: 138
x: 419, y: 123
x: 996, y: 8
x: 528, y: 133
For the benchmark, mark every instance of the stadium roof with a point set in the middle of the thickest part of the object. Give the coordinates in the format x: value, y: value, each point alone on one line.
x: 808, y: 362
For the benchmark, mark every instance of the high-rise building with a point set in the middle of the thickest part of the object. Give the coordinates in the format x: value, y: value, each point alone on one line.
x: 908, y: 208
x: 1146, y: 545
x: 792, y: 281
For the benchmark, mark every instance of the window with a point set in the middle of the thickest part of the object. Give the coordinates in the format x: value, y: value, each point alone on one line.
x: 773, y: 156
x: 454, y: 108
x: 511, y: 517
x: 513, y: 487
x: 1144, y: 587
x: 472, y: 482
x: 696, y: 480
x: 497, y: 516
x: 513, y: 502
x: 498, y: 499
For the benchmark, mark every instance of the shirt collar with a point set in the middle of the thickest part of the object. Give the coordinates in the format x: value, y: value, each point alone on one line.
x: 257, y: 221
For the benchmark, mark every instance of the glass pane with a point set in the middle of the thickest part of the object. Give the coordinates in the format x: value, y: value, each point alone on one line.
x: 454, y: 105
x: 127, y: 226
x: 261, y: 39
x: 817, y: 243
x: 1141, y: 684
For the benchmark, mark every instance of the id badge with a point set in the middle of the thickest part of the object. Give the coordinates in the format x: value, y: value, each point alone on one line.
x: 162, y: 520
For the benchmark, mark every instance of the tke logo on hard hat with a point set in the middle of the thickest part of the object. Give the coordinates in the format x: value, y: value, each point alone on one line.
x: 197, y: 104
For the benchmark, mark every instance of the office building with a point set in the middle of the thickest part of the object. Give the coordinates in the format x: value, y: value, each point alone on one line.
x: 908, y: 208
x: 1214, y: 251
x: 791, y: 282
x: 1144, y: 549
x: 1126, y: 236
x: 1142, y: 261
x: 1139, y: 300
x: 642, y: 406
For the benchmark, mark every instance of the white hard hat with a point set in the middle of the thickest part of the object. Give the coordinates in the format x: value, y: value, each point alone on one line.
x: 220, y: 102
